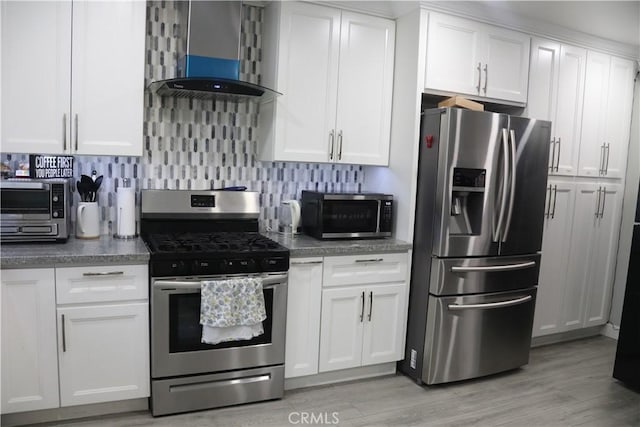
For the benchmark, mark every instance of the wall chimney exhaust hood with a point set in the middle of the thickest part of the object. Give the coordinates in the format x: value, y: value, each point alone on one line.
x: 209, y: 64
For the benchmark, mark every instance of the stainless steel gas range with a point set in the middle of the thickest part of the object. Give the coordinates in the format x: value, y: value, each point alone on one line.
x: 206, y: 235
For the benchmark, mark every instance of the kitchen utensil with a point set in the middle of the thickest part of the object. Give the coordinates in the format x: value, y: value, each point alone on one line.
x: 290, y: 216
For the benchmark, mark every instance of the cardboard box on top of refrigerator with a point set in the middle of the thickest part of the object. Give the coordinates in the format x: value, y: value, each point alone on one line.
x: 461, y: 101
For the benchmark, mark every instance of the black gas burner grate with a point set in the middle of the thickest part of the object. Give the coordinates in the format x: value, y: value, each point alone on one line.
x: 210, y: 242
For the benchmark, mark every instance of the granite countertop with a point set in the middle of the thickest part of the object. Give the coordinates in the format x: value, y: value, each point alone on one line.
x: 301, y: 245
x: 105, y: 250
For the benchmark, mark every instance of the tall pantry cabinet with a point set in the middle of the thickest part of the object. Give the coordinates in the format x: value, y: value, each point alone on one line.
x: 588, y: 97
x: 76, y: 69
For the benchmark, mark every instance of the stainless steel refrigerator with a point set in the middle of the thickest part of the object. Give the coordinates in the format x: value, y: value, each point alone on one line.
x: 477, y: 239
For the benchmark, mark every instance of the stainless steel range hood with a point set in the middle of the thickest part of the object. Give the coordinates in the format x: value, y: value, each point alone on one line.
x: 209, y: 64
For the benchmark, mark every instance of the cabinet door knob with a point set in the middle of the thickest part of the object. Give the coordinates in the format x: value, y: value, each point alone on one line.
x: 340, y: 145
x: 64, y: 132
x: 362, y: 310
x: 486, y: 77
x: 370, y: 305
x: 558, y: 156
x: 479, y: 77
x: 76, y: 132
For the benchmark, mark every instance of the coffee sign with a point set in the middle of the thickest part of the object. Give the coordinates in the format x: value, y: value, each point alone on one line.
x: 44, y: 167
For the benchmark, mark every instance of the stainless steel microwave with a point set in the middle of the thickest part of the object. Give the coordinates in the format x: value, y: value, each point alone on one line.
x: 346, y: 215
x: 34, y: 210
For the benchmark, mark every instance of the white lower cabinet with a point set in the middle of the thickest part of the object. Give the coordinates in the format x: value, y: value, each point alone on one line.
x: 364, y: 310
x: 96, y: 351
x: 345, y: 312
x: 29, y: 357
x: 582, y: 224
x: 103, y: 353
x: 303, y: 317
x: 361, y: 325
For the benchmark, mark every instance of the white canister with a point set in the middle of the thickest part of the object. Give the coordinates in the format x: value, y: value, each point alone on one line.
x: 126, y: 210
x: 88, y: 220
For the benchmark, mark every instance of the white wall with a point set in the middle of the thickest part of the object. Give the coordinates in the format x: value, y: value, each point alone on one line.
x: 628, y: 211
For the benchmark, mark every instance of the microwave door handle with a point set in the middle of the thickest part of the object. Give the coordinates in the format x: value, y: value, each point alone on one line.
x: 378, y: 216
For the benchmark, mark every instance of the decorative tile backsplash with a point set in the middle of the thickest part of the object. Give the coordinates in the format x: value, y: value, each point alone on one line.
x: 202, y: 144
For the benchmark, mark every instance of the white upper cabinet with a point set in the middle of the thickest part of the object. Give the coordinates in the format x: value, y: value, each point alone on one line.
x: 607, y: 115
x: 335, y: 71
x: 476, y: 59
x: 36, y: 76
x: 556, y: 89
x: 76, y: 69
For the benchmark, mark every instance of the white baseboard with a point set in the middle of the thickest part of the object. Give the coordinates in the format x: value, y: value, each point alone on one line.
x: 340, y: 376
x: 611, y: 331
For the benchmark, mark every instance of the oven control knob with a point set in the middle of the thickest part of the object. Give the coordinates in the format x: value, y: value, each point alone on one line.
x: 55, y: 214
x: 55, y: 198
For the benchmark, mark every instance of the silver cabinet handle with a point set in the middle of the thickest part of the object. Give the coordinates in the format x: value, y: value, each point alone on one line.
x: 332, y: 136
x: 493, y: 268
x: 604, y: 201
x: 340, y: 145
x: 601, y: 171
x: 547, y: 209
x: 512, y: 185
x: 500, y: 304
x: 598, y: 202
x: 606, y: 165
x: 486, y: 77
x: 479, y: 77
x: 64, y: 336
x: 553, y: 154
x: 555, y: 198
x: 76, y: 132
x: 558, y: 156
x: 64, y: 132
x: 362, y: 310
x: 369, y: 260
x: 370, y: 305
x: 104, y: 273
x: 305, y: 262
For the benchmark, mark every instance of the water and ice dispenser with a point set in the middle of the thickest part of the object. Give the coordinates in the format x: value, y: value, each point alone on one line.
x: 467, y: 201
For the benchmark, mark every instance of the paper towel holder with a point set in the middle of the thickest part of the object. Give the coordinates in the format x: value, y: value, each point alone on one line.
x: 126, y: 183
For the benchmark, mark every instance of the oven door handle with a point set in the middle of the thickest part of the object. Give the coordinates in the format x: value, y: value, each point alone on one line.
x: 267, y: 282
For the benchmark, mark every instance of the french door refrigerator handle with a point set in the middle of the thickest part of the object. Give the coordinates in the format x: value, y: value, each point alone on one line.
x: 558, y: 156
x: 555, y: 199
x: 494, y: 268
x: 505, y: 184
x: 500, y: 304
x: 553, y: 154
x: 512, y: 185
x: 598, y: 202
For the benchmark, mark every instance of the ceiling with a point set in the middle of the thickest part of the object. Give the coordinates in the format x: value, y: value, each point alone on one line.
x: 614, y: 21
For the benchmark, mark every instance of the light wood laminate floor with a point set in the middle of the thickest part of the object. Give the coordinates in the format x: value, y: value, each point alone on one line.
x: 566, y: 384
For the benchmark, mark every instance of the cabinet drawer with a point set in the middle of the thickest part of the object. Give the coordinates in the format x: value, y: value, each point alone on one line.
x: 102, y: 283
x: 364, y: 269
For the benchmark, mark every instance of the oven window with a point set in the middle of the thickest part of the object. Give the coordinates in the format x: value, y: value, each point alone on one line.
x: 350, y: 216
x: 24, y: 201
x: 185, y: 330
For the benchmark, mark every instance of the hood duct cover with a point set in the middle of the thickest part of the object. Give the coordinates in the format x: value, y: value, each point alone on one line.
x: 209, y: 64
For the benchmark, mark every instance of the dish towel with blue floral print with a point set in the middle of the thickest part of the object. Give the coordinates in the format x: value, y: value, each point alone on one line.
x: 231, y: 309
